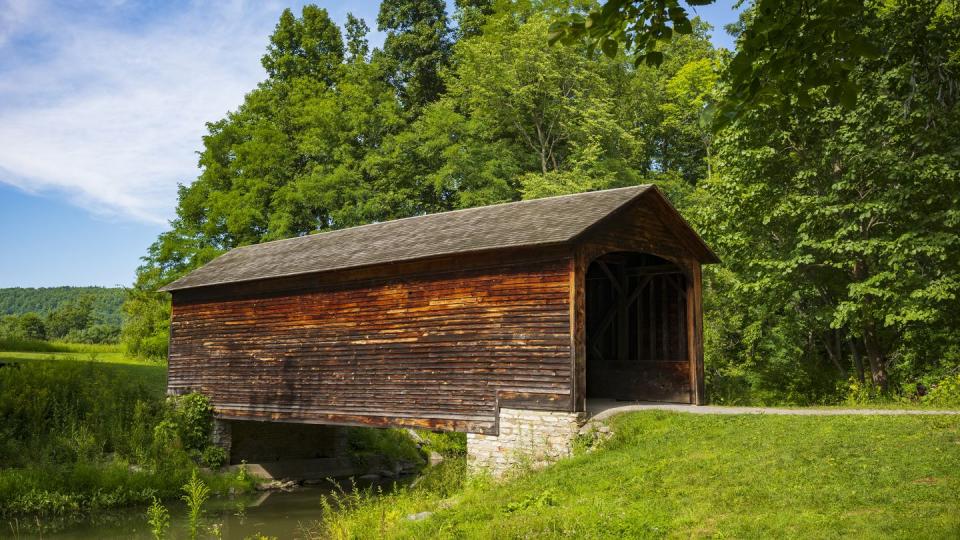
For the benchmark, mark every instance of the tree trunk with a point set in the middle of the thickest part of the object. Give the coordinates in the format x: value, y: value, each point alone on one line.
x: 834, y: 356
x: 871, y: 342
x: 878, y: 364
x: 857, y: 360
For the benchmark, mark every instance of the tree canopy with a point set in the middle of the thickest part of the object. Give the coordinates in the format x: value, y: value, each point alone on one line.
x: 836, y: 217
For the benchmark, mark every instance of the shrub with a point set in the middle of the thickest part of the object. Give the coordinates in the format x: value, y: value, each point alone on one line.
x: 945, y: 393
x: 191, y: 415
x: 213, y: 456
x: 98, y: 333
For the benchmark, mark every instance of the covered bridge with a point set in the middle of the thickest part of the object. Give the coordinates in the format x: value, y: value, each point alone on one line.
x: 446, y: 321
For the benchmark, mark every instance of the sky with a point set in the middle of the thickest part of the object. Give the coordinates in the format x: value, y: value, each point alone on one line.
x: 102, y: 110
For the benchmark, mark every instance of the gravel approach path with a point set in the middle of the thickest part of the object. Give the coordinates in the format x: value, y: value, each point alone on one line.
x: 602, y: 410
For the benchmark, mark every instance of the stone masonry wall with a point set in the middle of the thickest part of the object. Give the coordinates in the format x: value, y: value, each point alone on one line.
x: 526, y: 437
x: 221, y: 435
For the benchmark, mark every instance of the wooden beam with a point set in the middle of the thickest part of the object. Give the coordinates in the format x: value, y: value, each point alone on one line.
x: 615, y: 280
x: 623, y: 315
x: 612, y: 311
x: 654, y: 269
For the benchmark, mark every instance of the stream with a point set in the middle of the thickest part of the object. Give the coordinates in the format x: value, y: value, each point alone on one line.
x: 280, y: 514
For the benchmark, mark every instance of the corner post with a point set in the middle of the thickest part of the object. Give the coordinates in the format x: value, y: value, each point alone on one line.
x: 695, y: 333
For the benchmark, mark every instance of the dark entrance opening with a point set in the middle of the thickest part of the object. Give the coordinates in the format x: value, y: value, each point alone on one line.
x: 636, y: 329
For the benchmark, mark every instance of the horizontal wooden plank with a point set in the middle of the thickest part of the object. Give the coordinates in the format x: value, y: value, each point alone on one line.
x: 434, y: 351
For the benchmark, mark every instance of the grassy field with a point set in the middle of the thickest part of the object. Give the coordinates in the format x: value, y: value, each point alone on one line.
x: 109, y: 359
x: 670, y: 475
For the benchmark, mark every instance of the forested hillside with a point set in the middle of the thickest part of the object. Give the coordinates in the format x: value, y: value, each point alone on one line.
x: 77, y: 314
x: 835, y: 211
x: 105, y: 301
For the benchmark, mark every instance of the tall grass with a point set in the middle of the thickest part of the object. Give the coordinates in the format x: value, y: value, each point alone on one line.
x: 351, y: 512
x: 16, y: 344
x: 80, y: 436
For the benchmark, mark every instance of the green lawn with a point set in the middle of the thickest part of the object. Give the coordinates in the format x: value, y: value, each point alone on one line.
x: 671, y: 475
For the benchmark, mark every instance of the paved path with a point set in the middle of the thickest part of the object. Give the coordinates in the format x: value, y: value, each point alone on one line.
x: 601, y: 410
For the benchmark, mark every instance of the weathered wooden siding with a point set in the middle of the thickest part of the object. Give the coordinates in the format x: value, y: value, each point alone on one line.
x: 437, y: 351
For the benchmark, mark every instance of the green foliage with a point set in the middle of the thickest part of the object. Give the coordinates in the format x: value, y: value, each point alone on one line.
x: 105, y: 303
x: 393, y: 445
x: 23, y: 344
x: 98, y: 333
x: 75, y: 314
x: 838, y: 228
x: 945, y: 392
x: 79, y: 436
x: 310, y: 46
x: 192, y: 416
x: 538, y: 501
x: 445, y: 443
x: 31, y: 327
x: 215, y: 457
x: 354, y: 513
x: 195, y: 494
x: 416, y: 48
x: 50, y: 411
x: 158, y: 518
x: 786, y: 52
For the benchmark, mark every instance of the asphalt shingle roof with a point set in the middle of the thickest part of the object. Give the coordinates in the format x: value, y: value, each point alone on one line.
x: 551, y: 220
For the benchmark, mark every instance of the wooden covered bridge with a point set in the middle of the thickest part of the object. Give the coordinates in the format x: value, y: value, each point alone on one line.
x: 446, y: 321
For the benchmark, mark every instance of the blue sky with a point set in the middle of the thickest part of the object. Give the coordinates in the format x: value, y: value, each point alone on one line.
x: 102, y: 109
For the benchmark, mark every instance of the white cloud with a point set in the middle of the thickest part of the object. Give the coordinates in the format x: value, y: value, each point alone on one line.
x: 111, y: 116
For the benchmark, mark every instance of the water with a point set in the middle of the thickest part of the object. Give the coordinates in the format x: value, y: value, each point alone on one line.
x: 273, y: 513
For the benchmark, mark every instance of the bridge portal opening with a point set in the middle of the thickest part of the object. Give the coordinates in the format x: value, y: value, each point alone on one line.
x: 637, y: 329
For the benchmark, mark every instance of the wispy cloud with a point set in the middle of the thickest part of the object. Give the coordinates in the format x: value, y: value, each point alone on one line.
x: 107, y: 106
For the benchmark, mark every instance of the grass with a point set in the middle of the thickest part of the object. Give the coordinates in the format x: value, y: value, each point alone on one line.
x: 26, y: 345
x: 112, y: 357
x: 80, y: 434
x: 671, y: 475
x: 18, y: 350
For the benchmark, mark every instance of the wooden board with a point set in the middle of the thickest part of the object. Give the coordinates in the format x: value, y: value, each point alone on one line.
x: 429, y: 351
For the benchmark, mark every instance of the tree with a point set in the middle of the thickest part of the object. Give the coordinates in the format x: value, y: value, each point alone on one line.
x: 31, y: 326
x: 74, y: 315
x: 686, y: 138
x: 310, y: 46
x: 471, y: 16
x: 841, y: 226
x: 358, y: 48
x: 789, y: 51
x: 568, y: 121
x: 416, y: 48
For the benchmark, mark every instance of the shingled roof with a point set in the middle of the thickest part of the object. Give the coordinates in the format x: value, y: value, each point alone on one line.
x: 551, y: 220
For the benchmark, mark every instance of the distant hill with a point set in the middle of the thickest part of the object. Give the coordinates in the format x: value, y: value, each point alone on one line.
x: 19, y: 300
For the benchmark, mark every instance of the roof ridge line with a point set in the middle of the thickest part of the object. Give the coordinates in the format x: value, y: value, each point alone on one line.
x: 317, y: 232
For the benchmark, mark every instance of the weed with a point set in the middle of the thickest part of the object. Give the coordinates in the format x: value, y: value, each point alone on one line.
x: 195, y: 493
x: 158, y: 517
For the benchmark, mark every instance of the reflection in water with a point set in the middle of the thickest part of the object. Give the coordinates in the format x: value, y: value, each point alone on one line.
x: 273, y: 513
